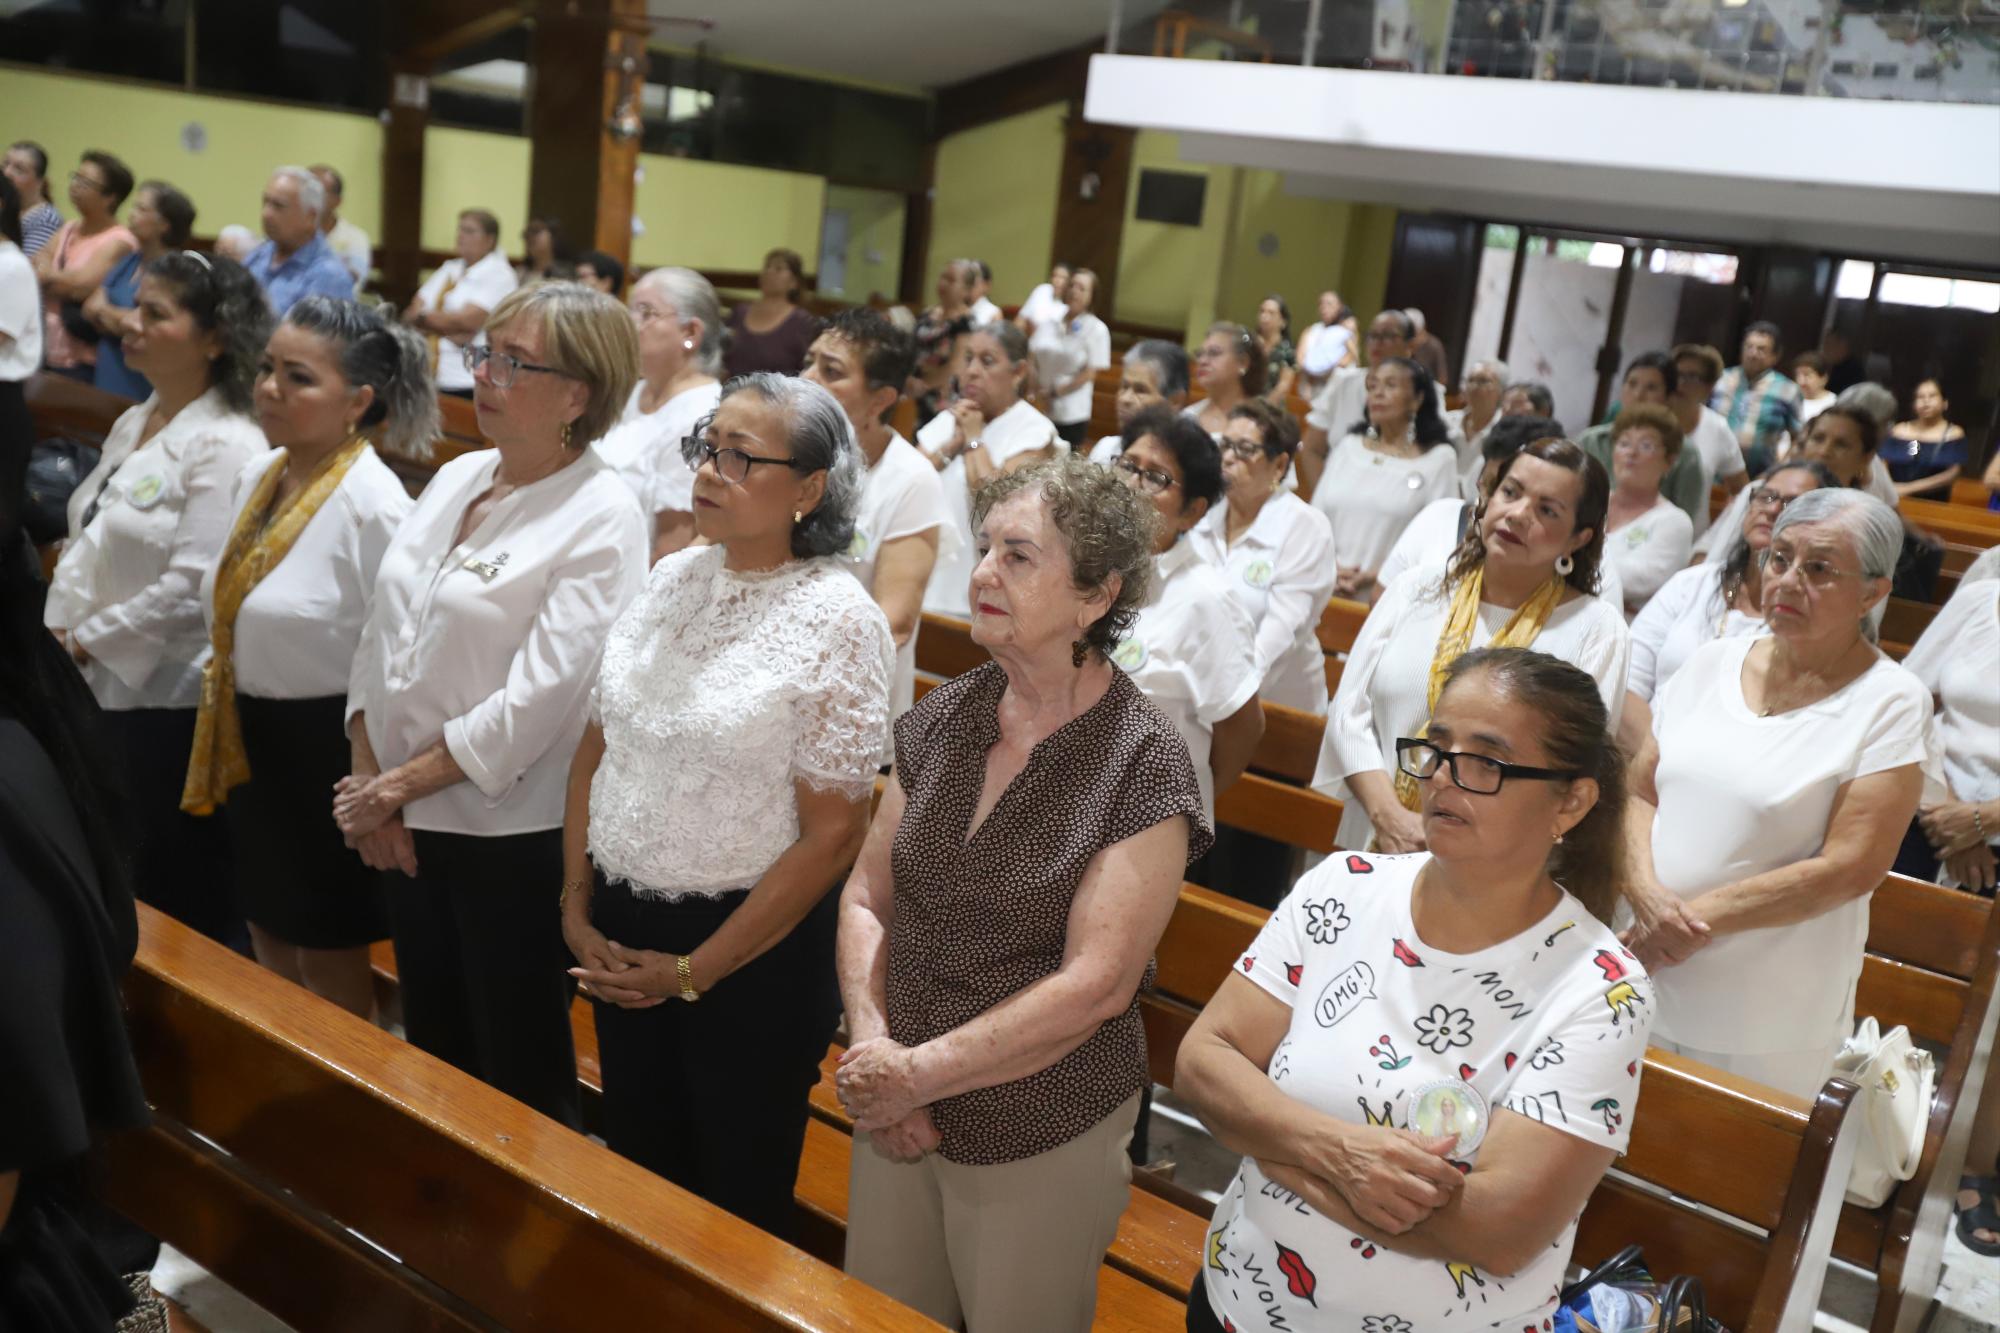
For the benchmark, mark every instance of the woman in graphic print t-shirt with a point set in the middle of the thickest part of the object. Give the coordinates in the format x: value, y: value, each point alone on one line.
x: 1473, y: 993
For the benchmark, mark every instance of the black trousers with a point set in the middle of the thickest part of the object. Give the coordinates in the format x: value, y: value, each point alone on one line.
x: 712, y: 1095
x: 180, y: 863
x: 483, y: 967
x: 17, y: 442
x: 1201, y: 1316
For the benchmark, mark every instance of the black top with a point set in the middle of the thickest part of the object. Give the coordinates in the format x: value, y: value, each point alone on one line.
x: 782, y: 350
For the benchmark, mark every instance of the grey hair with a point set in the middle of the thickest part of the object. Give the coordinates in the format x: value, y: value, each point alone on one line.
x: 1495, y: 364
x: 692, y: 297
x: 1872, y: 398
x: 1873, y: 527
x: 387, y: 356
x: 1538, y: 394
x: 312, y: 194
x: 822, y: 440
x: 1168, y: 360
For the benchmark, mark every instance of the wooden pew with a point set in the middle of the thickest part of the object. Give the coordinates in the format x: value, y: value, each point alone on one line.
x: 1903, y: 623
x: 477, y: 1213
x: 1955, y: 523
x: 61, y: 406
x: 1971, y: 491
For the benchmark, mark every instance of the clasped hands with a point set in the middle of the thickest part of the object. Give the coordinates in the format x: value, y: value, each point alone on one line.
x: 878, y: 1085
x: 367, y: 807
x: 1953, y: 829
x: 1390, y: 1180
x: 1667, y: 930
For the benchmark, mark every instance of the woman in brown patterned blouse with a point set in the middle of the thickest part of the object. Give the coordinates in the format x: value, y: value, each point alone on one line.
x: 1001, y: 921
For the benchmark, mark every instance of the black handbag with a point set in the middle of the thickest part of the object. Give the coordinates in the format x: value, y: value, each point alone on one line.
x: 1678, y: 1306
x: 77, y: 325
x: 55, y: 469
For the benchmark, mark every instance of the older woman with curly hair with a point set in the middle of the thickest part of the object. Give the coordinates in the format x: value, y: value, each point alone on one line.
x: 1001, y: 920
x: 144, y: 527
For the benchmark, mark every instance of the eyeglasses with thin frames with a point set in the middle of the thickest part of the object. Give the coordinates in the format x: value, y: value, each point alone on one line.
x: 1769, y: 498
x: 1475, y: 773
x: 732, y: 465
x: 1776, y: 564
x: 501, y: 368
x: 1246, y: 450
x: 1150, y: 480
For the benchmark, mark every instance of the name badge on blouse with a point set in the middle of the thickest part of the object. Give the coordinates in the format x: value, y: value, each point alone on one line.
x: 488, y: 570
x: 858, y: 546
x: 146, y: 492
x: 1129, y: 656
x: 1414, y: 481
x: 1449, y: 1106
x: 1258, y: 573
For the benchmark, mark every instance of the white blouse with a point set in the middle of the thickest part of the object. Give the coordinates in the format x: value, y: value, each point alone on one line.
x: 1191, y: 652
x: 644, y: 448
x: 128, y: 586
x: 1683, y: 615
x: 1065, y: 348
x: 1280, y: 571
x: 1958, y: 660
x: 1649, y: 550
x: 1741, y: 795
x: 1018, y: 430
x: 20, y: 315
x: 492, y: 643
x: 1385, y: 689
x: 453, y: 288
x: 1370, y: 497
x: 901, y: 496
x: 718, y: 692
x: 297, y: 630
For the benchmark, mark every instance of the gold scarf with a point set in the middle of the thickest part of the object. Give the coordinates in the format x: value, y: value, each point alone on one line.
x: 1520, y: 631
x: 437, y: 340
x: 259, y: 542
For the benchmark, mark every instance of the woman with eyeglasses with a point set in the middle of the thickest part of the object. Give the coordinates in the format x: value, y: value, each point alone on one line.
x: 1428, y: 1062
x: 144, y: 527
x: 79, y: 257
x: 721, y: 788
x: 470, y: 685
x: 1524, y: 576
x: 1275, y: 552
x: 680, y: 353
x: 1647, y: 536
x: 162, y: 219
x: 1782, y: 772
x: 989, y: 429
x: 1192, y: 649
x: 1229, y: 369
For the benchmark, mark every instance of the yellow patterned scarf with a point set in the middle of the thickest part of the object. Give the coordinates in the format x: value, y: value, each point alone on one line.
x: 1520, y: 631
x: 260, y: 540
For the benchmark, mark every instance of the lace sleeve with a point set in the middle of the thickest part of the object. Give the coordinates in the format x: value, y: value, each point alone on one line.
x: 844, y: 712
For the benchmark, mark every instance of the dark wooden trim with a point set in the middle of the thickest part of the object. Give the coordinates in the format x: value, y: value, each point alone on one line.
x: 1514, y: 276
x: 1060, y: 77
x: 434, y: 29
x: 1611, y: 355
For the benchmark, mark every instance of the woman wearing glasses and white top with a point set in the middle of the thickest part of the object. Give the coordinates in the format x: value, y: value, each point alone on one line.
x: 988, y: 429
x: 721, y: 788
x: 680, y: 352
x: 1276, y: 553
x: 1524, y: 576
x: 143, y: 528
x: 469, y: 688
x: 1786, y: 768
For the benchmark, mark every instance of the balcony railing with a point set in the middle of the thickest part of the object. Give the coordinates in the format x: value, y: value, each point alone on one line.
x: 1897, y: 50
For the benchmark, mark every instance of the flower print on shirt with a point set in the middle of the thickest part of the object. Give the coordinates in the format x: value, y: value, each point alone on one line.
x: 1443, y: 1029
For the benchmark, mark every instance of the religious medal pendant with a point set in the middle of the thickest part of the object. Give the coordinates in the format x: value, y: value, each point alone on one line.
x: 1449, y: 1106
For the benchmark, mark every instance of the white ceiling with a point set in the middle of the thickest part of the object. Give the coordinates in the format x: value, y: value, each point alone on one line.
x: 915, y: 44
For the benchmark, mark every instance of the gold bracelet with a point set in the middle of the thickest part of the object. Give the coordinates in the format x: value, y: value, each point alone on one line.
x: 570, y: 886
x: 685, y: 971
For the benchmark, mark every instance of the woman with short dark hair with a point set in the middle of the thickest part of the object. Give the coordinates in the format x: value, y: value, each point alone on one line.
x: 773, y: 332
x: 721, y: 787
x: 162, y: 219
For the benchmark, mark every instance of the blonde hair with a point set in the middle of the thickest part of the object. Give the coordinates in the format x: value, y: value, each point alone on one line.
x: 587, y: 336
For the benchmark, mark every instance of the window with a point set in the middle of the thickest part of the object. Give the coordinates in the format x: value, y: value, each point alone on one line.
x: 1173, y: 197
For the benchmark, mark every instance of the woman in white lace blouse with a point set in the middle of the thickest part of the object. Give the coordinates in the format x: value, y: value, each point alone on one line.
x: 721, y: 789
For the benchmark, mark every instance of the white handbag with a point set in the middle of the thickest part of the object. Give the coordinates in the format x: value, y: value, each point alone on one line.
x: 1897, y: 1080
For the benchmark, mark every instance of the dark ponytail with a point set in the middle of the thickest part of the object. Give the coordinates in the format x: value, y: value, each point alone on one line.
x: 389, y: 358
x: 1575, y: 729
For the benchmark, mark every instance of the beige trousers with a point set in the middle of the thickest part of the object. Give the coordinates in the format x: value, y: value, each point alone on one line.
x: 1013, y: 1248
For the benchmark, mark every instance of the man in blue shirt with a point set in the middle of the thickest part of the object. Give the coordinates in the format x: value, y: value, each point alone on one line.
x: 296, y: 261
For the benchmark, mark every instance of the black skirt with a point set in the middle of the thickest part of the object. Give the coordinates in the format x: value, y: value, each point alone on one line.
x: 295, y: 877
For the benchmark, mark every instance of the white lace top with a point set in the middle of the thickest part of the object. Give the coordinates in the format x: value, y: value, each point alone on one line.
x: 719, y: 691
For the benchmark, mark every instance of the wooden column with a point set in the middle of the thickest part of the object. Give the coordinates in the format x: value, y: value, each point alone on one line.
x: 1090, y: 202
x: 587, y: 68
x: 401, y: 243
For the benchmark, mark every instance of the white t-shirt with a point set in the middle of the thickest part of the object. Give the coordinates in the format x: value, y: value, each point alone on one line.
x: 1105, y: 452
x: 1649, y: 550
x: 1684, y: 614
x: 1042, y: 306
x: 1550, y: 1024
x: 1018, y: 430
x: 1958, y: 660
x: 1064, y: 350
x: 1369, y: 497
x: 1812, y: 407
x: 985, y: 312
x: 1191, y: 652
x: 901, y: 496
x: 492, y: 643
x: 20, y: 315
x: 351, y: 246
x: 454, y: 287
x: 1280, y: 571
x: 1741, y: 795
x: 297, y: 630
x: 1434, y: 534
x: 1385, y: 687
x: 1344, y: 400
x: 128, y: 586
x: 644, y: 448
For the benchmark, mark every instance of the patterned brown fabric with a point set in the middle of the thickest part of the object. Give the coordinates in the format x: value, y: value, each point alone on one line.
x: 977, y: 921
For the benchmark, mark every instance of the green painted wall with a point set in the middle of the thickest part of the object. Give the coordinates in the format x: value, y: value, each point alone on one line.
x: 995, y: 199
x: 874, y: 241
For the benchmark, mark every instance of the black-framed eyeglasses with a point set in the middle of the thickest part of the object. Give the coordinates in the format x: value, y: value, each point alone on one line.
x: 1247, y: 450
x: 1150, y: 480
x: 78, y: 178
x: 1475, y: 773
x: 732, y: 465
x: 501, y: 368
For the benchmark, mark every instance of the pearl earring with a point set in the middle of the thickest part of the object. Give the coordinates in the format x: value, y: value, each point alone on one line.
x: 687, y: 345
